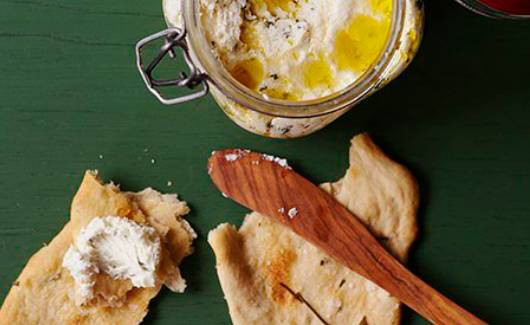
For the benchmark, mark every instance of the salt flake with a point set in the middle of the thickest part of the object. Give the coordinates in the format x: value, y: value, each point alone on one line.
x: 280, y: 161
x: 238, y: 153
x: 293, y: 212
x: 232, y: 157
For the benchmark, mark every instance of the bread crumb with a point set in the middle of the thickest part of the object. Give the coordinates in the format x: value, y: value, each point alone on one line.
x: 169, y: 183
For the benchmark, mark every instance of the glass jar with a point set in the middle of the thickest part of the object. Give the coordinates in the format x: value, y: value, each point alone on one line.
x: 250, y: 110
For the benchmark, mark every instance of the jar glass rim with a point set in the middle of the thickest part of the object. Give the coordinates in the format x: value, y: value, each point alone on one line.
x: 484, y: 9
x: 252, y: 100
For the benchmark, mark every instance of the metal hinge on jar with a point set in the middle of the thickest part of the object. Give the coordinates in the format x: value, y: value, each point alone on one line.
x: 173, y: 38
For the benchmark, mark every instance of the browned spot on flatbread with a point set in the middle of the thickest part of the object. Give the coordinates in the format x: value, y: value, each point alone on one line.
x: 109, y: 290
x: 278, y: 272
x: 138, y: 218
x: 135, y: 213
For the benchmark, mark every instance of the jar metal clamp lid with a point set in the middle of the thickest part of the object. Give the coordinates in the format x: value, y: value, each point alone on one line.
x: 173, y: 38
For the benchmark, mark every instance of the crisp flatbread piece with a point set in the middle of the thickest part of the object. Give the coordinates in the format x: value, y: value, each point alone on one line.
x: 270, y: 275
x: 45, y: 292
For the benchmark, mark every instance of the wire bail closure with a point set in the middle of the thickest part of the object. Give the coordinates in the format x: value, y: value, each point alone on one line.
x: 174, y: 37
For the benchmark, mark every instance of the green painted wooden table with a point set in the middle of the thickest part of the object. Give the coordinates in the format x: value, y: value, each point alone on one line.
x: 459, y: 118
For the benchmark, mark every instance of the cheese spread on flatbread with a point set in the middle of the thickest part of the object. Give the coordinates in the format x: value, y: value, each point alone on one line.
x: 45, y: 291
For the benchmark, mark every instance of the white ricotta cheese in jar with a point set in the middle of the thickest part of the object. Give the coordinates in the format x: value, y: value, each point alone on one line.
x: 300, y: 50
x: 296, y: 50
x: 116, y: 246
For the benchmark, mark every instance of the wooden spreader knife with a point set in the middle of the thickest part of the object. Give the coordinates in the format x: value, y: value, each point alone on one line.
x: 267, y: 185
